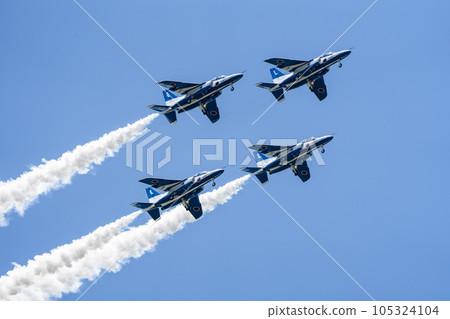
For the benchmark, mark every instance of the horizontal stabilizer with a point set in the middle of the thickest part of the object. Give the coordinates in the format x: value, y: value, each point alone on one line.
x: 154, y: 212
x: 267, y: 86
x: 262, y: 177
x: 141, y: 205
x: 258, y: 172
x: 166, y: 111
x: 159, y: 108
x: 251, y: 169
x: 276, y: 90
x: 171, y: 117
x: 279, y: 94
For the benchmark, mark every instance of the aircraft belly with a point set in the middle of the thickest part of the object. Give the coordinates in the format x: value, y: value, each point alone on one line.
x: 277, y: 169
x: 188, y: 107
x: 171, y: 203
x: 292, y: 83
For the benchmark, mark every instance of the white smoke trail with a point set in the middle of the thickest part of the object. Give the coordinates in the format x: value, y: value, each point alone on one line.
x: 19, y: 193
x: 64, y: 269
x: 26, y: 279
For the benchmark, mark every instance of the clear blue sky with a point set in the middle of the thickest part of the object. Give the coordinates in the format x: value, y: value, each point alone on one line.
x: 379, y: 206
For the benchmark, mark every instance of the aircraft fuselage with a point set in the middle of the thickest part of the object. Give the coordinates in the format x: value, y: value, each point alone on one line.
x: 317, y: 67
x: 299, y: 153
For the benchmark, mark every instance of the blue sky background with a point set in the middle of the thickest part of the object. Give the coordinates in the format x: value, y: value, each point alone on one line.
x: 379, y: 206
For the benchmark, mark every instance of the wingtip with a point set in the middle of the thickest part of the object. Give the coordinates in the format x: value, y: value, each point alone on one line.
x: 144, y: 180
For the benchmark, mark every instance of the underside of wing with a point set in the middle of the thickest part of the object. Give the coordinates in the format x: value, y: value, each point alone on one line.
x: 302, y: 171
x: 194, y: 207
x: 319, y: 88
x: 288, y: 64
x: 161, y: 184
x: 271, y: 150
x: 212, y: 111
x: 180, y: 87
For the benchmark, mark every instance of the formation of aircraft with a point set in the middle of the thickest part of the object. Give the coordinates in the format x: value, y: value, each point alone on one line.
x: 271, y: 158
x: 277, y: 158
x: 300, y: 73
x: 201, y: 95
x: 183, y: 191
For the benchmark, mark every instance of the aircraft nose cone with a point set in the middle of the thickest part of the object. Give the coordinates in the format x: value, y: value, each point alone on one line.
x: 345, y: 53
x: 327, y: 139
x: 237, y: 76
x: 216, y: 173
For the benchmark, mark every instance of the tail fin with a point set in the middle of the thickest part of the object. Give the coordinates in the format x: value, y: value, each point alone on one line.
x: 260, y: 174
x: 151, y: 192
x: 168, y: 96
x: 261, y: 156
x: 166, y: 111
x: 275, y: 73
x: 261, y: 159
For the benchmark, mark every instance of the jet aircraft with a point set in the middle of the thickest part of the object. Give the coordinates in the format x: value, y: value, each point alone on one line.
x: 302, y: 72
x: 282, y: 157
x: 194, y: 95
x: 184, y: 191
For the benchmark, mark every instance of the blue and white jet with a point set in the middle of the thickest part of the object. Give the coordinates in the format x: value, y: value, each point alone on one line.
x: 184, y: 191
x: 277, y: 158
x: 194, y: 95
x: 300, y: 73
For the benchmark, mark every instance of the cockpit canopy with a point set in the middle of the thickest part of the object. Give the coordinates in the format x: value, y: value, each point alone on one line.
x: 326, y: 54
x: 200, y: 173
x: 218, y: 78
x: 308, y: 139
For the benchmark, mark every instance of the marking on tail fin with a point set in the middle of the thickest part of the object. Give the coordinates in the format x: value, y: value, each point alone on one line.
x: 168, y: 95
x: 151, y: 192
x: 275, y: 73
x: 261, y: 156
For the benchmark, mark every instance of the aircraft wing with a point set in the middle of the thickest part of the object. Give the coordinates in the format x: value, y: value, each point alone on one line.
x: 195, y: 207
x: 162, y: 184
x: 288, y: 64
x: 181, y: 87
x: 271, y: 150
x: 320, y: 89
x: 212, y: 111
x: 302, y: 171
